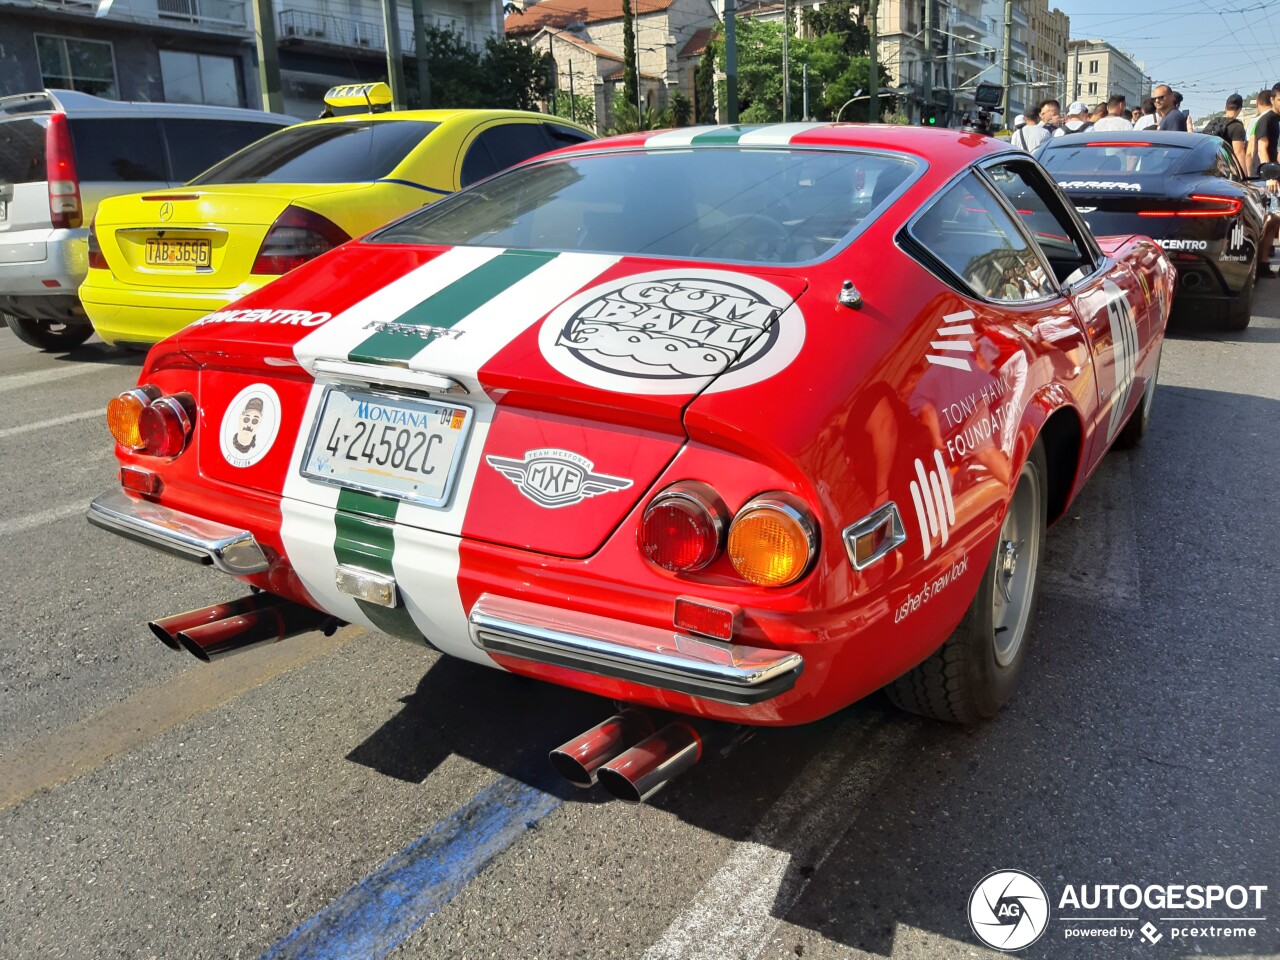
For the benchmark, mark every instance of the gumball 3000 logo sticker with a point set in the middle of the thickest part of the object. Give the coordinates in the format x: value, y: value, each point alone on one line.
x: 667, y: 332
x: 250, y: 425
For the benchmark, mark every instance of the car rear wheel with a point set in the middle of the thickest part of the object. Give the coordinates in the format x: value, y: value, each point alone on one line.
x: 51, y: 335
x: 1240, y: 310
x: 971, y: 676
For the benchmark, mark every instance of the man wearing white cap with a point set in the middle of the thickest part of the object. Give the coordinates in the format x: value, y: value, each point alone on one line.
x: 1078, y: 117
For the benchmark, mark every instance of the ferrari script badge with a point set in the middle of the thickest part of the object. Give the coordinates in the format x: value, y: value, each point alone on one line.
x: 555, y: 478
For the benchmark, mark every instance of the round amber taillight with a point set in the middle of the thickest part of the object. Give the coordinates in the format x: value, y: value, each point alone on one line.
x: 124, y: 415
x: 683, y: 528
x: 772, y: 541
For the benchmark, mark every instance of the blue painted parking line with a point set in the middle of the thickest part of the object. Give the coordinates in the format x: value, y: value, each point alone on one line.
x: 373, y: 917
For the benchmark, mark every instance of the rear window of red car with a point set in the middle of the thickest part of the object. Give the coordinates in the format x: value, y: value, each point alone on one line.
x: 738, y: 204
x: 353, y: 151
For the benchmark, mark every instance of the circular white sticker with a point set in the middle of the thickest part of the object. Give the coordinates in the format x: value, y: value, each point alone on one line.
x: 669, y: 331
x: 250, y: 425
x: 1009, y: 910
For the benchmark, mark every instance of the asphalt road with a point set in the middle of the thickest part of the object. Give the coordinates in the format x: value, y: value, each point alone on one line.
x: 359, y: 797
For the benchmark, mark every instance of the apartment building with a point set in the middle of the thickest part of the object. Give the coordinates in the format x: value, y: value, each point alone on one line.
x: 1097, y: 69
x: 1050, y: 31
x: 203, y: 51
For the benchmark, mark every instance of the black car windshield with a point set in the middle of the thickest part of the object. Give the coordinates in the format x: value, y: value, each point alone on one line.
x: 753, y: 205
x: 351, y: 151
x: 1100, y: 157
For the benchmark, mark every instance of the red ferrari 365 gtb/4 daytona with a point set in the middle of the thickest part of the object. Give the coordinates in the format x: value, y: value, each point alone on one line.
x: 740, y: 423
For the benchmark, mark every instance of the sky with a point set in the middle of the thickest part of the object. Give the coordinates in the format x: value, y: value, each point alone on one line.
x: 1207, y: 49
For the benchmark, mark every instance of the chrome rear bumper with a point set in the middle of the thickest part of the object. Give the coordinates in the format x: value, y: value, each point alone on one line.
x: 230, y: 550
x: 655, y: 657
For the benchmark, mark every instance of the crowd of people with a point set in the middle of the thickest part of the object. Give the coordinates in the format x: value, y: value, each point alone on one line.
x: 1253, y: 140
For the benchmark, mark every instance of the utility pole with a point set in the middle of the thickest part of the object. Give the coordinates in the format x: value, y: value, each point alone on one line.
x: 264, y: 34
x: 928, y: 57
x: 786, y: 60
x: 874, y: 110
x: 395, y: 65
x: 1008, y: 58
x: 730, y: 61
x: 420, y: 55
x: 805, y: 73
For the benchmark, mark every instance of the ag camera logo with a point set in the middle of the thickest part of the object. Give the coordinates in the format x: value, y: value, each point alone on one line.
x: 1008, y: 910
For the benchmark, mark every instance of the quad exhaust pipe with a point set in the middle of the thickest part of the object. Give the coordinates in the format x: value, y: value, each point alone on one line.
x: 225, y: 628
x: 626, y: 757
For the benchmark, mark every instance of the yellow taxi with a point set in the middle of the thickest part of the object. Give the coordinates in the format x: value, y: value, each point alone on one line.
x: 160, y: 260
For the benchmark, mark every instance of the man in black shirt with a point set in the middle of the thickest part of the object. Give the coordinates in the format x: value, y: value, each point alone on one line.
x: 1230, y: 128
x: 1267, y: 133
x: 1170, y: 117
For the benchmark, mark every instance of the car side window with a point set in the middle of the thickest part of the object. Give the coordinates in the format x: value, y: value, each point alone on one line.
x: 196, y: 145
x: 1042, y: 213
x: 564, y: 136
x: 1226, y: 164
x: 968, y: 230
x: 503, y: 146
x: 118, y: 149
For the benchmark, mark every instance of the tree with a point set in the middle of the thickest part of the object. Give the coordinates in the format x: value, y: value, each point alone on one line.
x: 624, y: 117
x: 629, y: 69
x: 579, y: 107
x: 832, y: 72
x: 704, y: 85
x: 506, y: 75
x: 680, y: 108
x: 843, y: 18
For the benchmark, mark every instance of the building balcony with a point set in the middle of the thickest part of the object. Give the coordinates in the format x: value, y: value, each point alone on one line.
x: 220, y: 16
x: 1018, y: 47
x: 967, y: 22
x: 306, y: 28
x: 1020, y: 16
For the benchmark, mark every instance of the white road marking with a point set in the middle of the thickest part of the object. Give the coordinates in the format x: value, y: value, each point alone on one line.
x: 55, y: 422
x: 33, y: 520
x: 18, y: 381
x: 736, y: 913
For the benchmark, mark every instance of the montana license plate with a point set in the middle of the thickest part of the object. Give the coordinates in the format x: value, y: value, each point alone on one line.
x: 178, y: 253
x: 402, y: 447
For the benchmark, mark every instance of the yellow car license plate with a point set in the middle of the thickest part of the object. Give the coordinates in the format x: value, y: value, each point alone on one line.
x: 178, y: 253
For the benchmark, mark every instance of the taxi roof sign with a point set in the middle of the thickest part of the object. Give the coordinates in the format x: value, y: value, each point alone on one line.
x: 358, y: 95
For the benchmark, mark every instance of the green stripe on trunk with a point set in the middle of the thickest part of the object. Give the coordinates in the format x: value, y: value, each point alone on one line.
x: 726, y: 135
x: 444, y: 309
x: 365, y: 527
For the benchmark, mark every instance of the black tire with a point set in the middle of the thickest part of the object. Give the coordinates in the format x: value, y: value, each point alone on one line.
x: 1132, y: 434
x: 51, y: 335
x: 975, y: 672
x: 1240, y: 310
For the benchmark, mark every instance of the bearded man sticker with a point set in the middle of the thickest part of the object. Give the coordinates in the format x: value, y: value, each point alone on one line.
x: 250, y: 425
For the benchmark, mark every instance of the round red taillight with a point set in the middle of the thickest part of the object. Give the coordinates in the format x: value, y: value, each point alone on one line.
x: 683, y: 528
x: 164, y: 427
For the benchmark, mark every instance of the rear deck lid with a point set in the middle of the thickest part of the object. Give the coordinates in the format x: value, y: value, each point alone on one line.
x: 555, y: 382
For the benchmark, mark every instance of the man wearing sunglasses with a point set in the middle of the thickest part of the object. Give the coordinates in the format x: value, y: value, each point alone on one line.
x: 1171, y: 118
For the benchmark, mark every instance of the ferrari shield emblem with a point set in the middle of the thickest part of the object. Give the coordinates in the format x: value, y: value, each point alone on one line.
x: 555, y: 478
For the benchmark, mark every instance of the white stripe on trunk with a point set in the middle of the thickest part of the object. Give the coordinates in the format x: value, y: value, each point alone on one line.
x: 350, y: 328
x: 482, y: 333
x: 426, y: 566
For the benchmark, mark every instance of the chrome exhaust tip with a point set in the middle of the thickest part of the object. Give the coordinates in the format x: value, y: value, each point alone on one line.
x: 579, y: 759
x: 637, y: 774
x: 267, y: 624
x: 166, y: 630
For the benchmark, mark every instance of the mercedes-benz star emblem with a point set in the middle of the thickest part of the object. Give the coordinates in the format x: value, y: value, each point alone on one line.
x: 166, y: 211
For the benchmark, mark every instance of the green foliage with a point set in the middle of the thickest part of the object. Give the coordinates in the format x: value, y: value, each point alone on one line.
x: 842, y: 18
x: 680, y: 108
x: 834, y: 76
x: 624, y: 116
x: 704, y: 91
x: 580, y: 108
x: 629, y: 67
x: 505, y: 75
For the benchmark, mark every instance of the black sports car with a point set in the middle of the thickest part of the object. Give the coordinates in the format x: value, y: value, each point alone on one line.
x: 1184, y: 190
